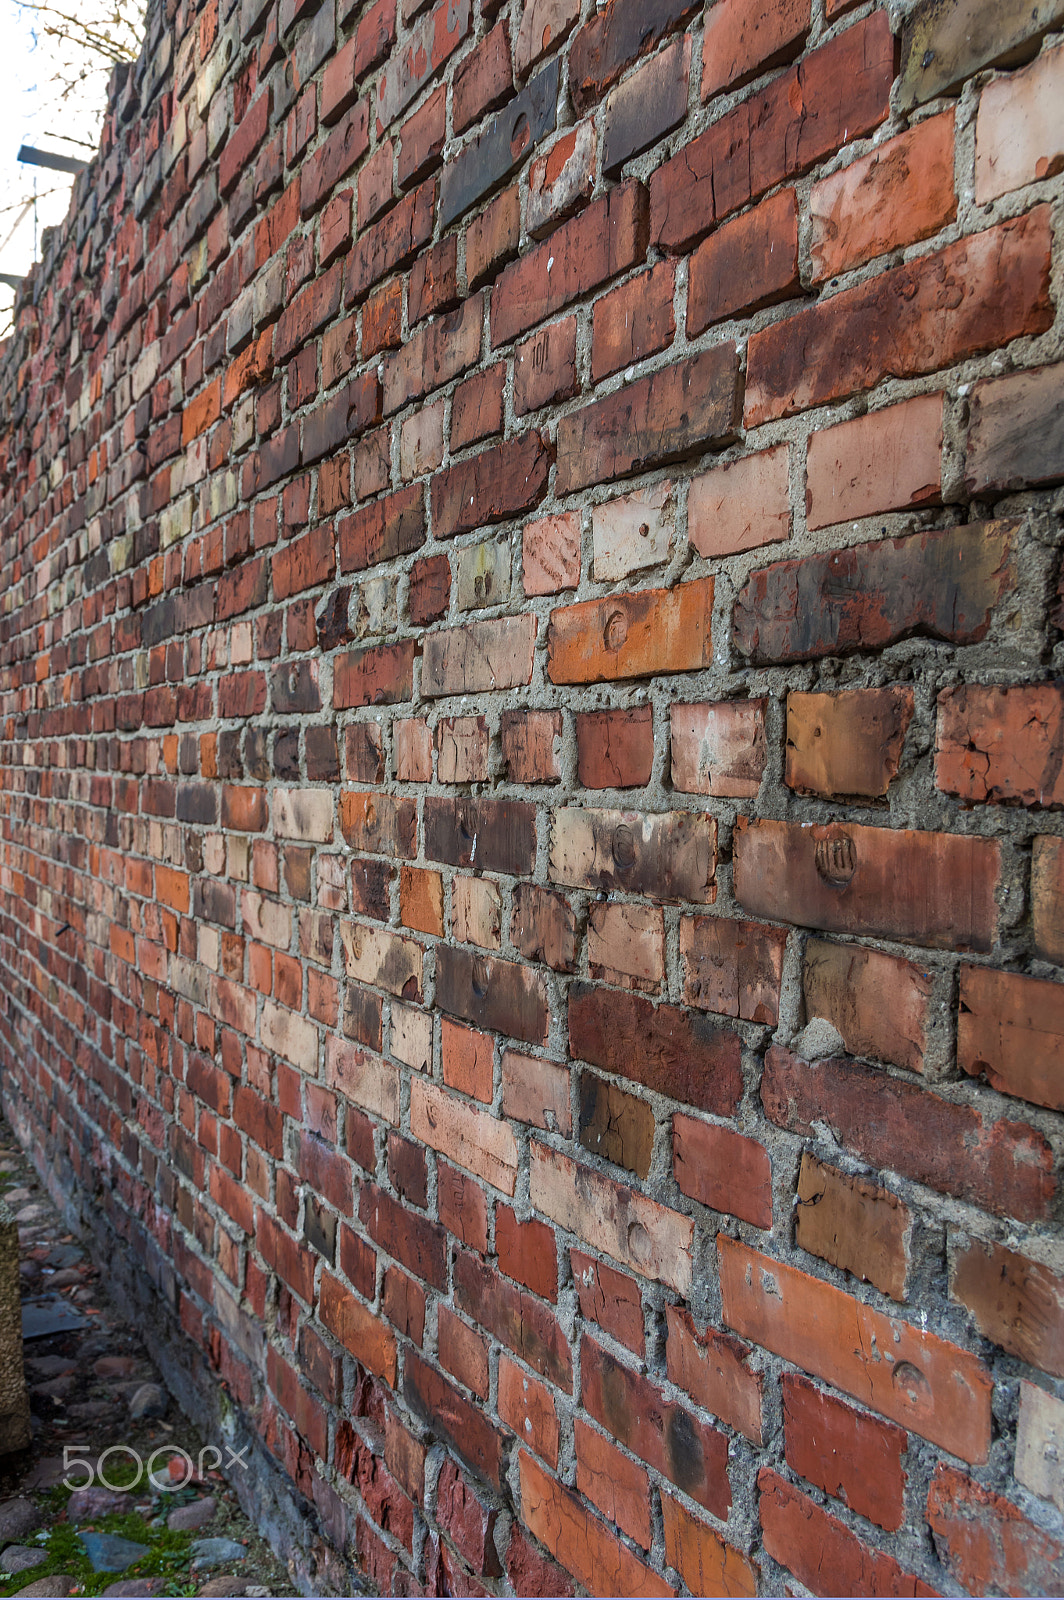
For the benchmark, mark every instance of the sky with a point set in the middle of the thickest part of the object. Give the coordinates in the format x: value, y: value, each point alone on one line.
x: 31, y: 112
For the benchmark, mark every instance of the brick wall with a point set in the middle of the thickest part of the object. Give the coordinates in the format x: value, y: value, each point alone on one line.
x: 530, y: 820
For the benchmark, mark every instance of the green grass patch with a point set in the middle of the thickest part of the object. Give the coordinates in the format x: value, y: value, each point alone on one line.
x: 169, y: 1552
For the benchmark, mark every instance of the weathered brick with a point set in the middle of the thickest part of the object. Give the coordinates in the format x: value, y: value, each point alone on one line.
x: 641, y: 1235
x: 732, y: 968
x: 705, y: 1563
x: 431, y: 42
x: 646, y: 106
x: 545, y: 367
x: 613, y: 39
x: 749, y: 262
x: 848, y: 80
x: 848, y: 743
x: 492, y: 486
x: 470, y: 1138
x: 723, y: 1170
x: 633, y: 531
x: 496, y: 994
x: 821, y: 1550
x: 740, y: 40
x: 562, y: 180
x: 718, y: 749
x: 1016, y: 1302
x: 941, y: 45
x: 489, y: 158
x: 884, y: 461
x: 671, y: 856
x: 667, y: 1437
x: 599, y: 244
x: 535, y: 1091
x: 974, y: 295
x: 713, y: 1369
x: 675, y: 412
x: 617, y: 1486
x: 846, y: 1453
x: 899, y: 193
x: 878, y: 1003
x: 1016, y: 432
x: 615, y: 749
x: 663, y: 1047
x: 480, y: 656
x: 986, y: 1542
x: 1005, y: 1167
x: 615, y: 1125
x: 942, y: 584
x: 584, y: 1545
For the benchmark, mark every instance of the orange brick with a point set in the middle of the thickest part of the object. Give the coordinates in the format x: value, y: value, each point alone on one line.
x: 527, y: 1406
x: 848, y: 743
x: 901, y: 192
x: 614, y: 1483
x: 467, y: 1060
x: 583, y: 1544
x: 705, y: 1563
x: 1010, y: 1030
x: 916, y: 1379
x: 632, y: 635
x: 848, y: 1454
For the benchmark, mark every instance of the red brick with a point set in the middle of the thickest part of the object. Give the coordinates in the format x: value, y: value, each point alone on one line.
x: 925, y: 888
x: 749, y: 262
x: 467, y: 1520
x: 527, y: 1406
x: 460, y: 1424
x: 633, y: 321
x: 492, y: 238
x: 723, y: 1170
x: 901, y: 192
x: 463, y: 1207
x: 997, y: 744
x: 614, y: 39
x: 975, y: 295
x: 529, y: 1328
x: 611, y: 1299
x: 1017, y: 136
x: 705, y: 1563
x: 713, y: 1369
x: 985, y: 1542
x: 848, y: 743
x: 615, y: 749
x: 584, y: 1545
x: 718, y: 749
x: 887, y: 460
x: 477, y: 407
x: 847, y: 1453
x: 545, y: 367
x: 421, y: 139
x: 467, y: 1061
x: 1005, y: 1167
x: 632, y: 635
x: 661, y: 1433
x: 434, y: 38
x: 675, y: 412
x: 599, y: 244
x: 732, y: 968
x: 526, y: 1252
x: 929, y: 1386
x: 529, y: 745
x: 550, y: 554
x: 821, y: 1551
x: 484, y: 79
x: 743, y: 40
x: 463, y: 1353
x: 848, y: 80
x: 680, y: 1055
x: 490, y: 487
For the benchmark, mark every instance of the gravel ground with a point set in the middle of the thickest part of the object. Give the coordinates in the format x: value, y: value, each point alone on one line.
x: 97, y: 1401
